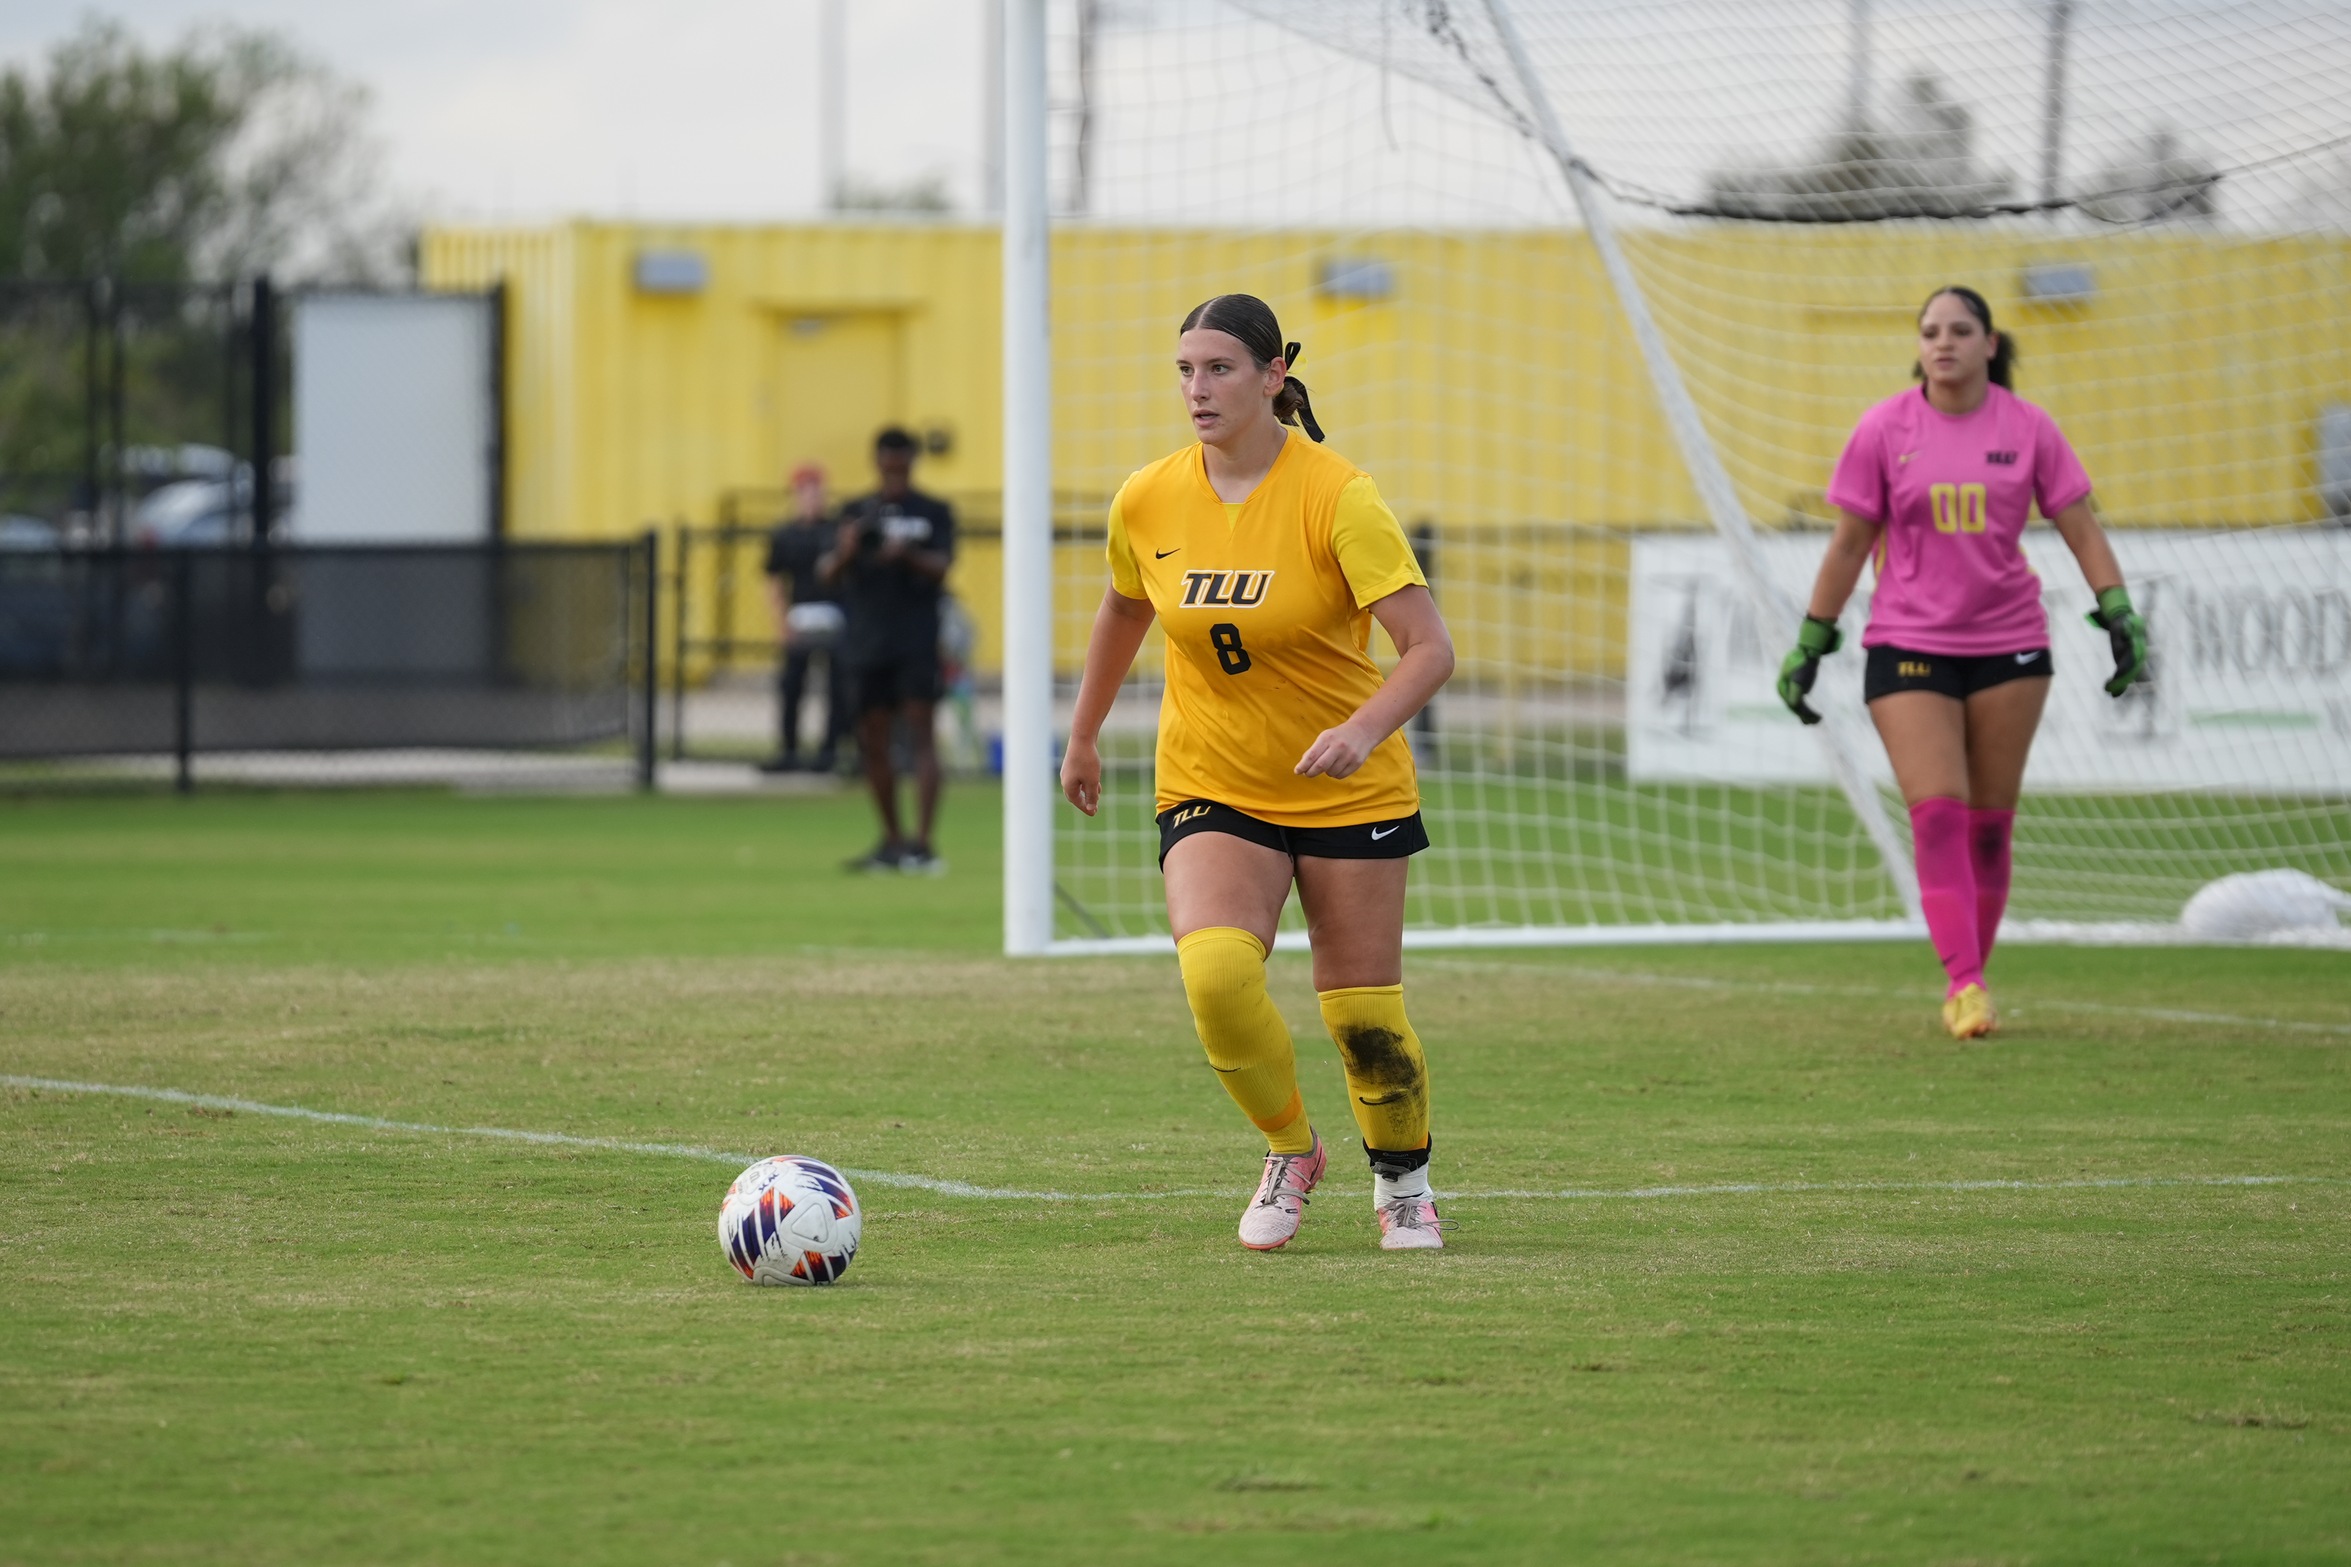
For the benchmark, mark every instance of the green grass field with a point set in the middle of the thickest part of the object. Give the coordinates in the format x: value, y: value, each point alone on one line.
x: 1790, y: 1277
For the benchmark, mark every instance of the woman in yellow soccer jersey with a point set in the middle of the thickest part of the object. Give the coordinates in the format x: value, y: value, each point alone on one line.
x: 1267, y: 557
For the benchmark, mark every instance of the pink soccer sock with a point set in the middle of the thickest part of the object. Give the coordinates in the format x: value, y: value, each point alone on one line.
x: 1946, y: 887
x: 1988, y: 836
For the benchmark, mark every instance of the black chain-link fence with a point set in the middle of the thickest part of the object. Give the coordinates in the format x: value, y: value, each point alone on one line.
x: 520, y: 664
x: 139, y: 413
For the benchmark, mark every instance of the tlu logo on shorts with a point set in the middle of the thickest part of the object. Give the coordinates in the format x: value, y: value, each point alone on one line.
x: 1226, y: 589
x: 1187, y: 814
x: 1915, y: 669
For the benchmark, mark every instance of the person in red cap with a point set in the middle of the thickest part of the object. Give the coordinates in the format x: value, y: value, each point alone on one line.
x: 808, y: 624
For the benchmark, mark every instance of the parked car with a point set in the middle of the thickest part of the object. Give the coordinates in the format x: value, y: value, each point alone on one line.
x: 19, y: 532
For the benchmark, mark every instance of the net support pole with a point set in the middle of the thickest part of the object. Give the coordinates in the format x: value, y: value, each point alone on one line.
x: 1715, y: 489
x: 1028, y: 494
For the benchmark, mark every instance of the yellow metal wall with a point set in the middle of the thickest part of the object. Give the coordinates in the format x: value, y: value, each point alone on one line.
x: 1494, y: 387
x: 628, y: 408
x: 2189, y: 381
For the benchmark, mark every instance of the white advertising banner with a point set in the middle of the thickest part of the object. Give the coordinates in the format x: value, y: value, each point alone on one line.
x: 2251, y: 660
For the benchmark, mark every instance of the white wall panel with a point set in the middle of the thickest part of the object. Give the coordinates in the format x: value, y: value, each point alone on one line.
x: 394, y: 418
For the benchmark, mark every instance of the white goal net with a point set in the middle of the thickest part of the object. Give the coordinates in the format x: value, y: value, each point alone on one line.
x: 1596, y: 291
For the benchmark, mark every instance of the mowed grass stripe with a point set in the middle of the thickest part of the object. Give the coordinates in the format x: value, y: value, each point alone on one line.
x: 954, y: 1188
x: 1589, y: 974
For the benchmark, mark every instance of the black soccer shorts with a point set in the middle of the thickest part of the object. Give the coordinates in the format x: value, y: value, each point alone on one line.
x: 1389, y: 840
x: 884, y: 687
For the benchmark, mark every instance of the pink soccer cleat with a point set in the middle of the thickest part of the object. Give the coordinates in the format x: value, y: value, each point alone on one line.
x: 1273, y: 1214
x: 1410, y: 1224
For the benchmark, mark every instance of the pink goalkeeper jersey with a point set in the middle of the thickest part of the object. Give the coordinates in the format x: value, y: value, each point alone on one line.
x: 1950, y: 494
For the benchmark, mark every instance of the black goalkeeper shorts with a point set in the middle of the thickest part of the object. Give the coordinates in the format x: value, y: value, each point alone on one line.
x: 1892, y: 669
x: 1392, y: 840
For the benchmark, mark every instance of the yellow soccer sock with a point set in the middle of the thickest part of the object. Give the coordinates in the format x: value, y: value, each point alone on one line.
x: 1246, y: 1040
x: 1387, y: 1077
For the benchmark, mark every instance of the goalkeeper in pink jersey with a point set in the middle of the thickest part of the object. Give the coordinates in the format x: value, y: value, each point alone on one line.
x: 1934, y: 489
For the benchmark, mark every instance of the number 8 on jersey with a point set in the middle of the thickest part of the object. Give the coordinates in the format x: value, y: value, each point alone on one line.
x: 1274, y: 589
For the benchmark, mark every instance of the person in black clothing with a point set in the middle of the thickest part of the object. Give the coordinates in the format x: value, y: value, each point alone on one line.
x: 808, y: 621
x: 888, y: 561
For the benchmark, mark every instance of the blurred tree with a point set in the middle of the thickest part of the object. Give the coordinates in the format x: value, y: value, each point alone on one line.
x: 1918, y: 161
x: 223, y: 154
x: 2153, y: 181
x: 925, y: 195
x: 226, y: 154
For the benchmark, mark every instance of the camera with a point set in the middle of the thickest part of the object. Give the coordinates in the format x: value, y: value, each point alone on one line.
x: 887, y: 525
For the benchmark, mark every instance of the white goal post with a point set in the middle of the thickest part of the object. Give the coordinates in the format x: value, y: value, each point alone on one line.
x: 1595, y: 292
x: 1031, y: 791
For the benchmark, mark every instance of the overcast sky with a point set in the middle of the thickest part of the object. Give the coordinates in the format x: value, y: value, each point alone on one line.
x: 525, y: 109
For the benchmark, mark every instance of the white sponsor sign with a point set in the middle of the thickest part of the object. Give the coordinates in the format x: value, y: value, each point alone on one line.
x: 2251, y: 634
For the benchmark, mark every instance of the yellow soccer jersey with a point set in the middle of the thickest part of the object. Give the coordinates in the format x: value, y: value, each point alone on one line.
x: 1264, y: 606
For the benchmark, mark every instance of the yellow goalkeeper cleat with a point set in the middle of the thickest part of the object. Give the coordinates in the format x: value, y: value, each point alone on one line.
x: 1969, y: 1014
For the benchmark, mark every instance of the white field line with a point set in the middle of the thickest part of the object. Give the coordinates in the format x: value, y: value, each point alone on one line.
x: 1798, y: 988
x: 509, y: 1134
x: 1005, y: 1193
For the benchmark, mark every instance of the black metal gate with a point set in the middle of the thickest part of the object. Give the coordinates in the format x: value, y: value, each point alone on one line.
x: 133, y: 412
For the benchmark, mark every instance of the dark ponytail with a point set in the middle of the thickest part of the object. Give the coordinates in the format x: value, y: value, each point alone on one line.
x: 1251, y: 320
x: 2002, y: 369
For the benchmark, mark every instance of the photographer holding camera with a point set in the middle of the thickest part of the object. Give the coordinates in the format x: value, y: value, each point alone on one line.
x: 808, y: 623
x: 888, y: 561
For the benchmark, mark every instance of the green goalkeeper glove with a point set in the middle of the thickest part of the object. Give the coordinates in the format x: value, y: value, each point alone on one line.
x: 2126, y: 631
x: 1815, y: 640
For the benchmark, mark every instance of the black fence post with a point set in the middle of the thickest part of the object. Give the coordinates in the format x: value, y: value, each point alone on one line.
x: 183, y: 672
x: 649, y: 739
x: 497, y: 453
x: 118, y: 467
x: 677, y: 646
x: 722, y: 598
x: 93, y: 393
x: 264, y: 337
x: 260, y: 643
x: 231, y: 360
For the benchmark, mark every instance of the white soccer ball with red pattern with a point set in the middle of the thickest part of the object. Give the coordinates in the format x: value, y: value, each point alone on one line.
x: 790, y: 1220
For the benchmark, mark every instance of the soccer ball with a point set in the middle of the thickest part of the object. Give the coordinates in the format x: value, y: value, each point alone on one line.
x: 790, y: 1220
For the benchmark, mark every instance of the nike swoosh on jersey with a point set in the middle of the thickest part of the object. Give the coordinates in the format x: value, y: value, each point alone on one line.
x: 1377, y: 835
x: 1163, y: 554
